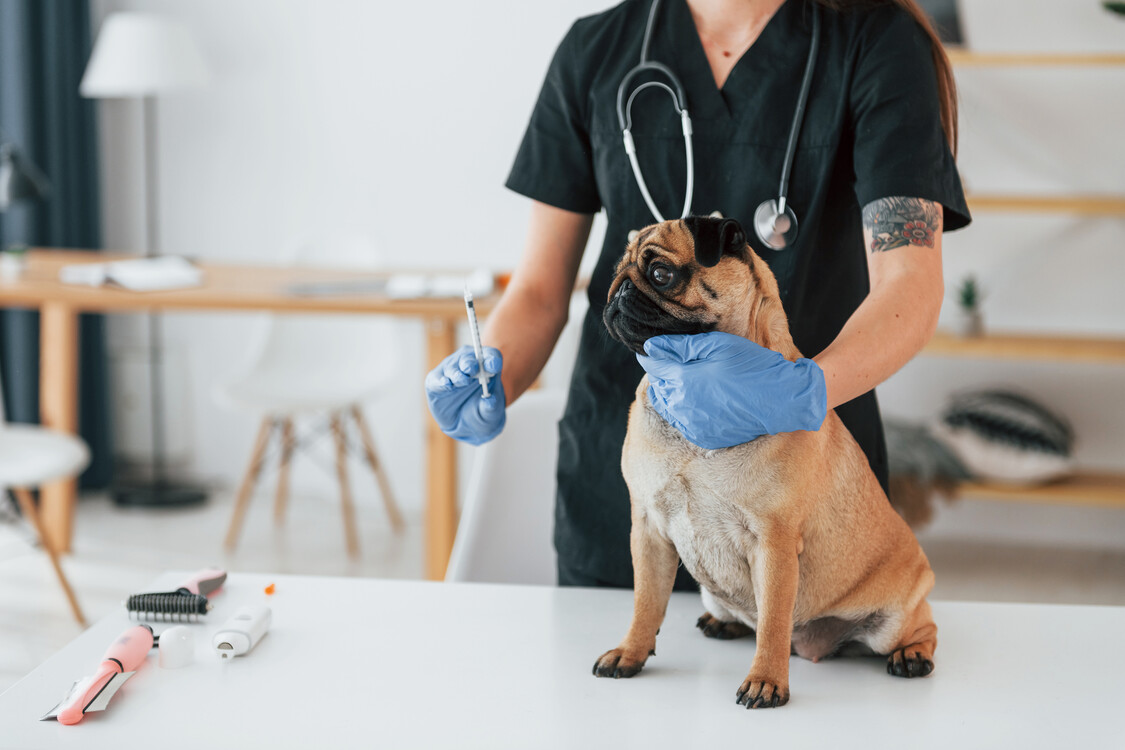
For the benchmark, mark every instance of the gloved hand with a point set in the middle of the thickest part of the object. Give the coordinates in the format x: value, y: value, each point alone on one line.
x: 721, y: 390
x: 454, y: 395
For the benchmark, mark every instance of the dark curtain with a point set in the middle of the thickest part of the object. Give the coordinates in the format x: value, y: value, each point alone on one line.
x: 44, y: 46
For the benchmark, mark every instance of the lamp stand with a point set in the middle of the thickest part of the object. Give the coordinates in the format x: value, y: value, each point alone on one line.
x: 159, y: 490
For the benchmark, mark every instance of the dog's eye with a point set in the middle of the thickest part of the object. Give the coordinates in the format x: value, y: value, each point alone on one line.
x: 660, y: 275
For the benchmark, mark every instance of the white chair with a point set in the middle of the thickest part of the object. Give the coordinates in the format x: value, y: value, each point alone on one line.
x: 309, y: 366
x: 29, y: 457
x: 505, y: 534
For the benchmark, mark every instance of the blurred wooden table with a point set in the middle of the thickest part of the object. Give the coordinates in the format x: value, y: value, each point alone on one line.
x: 248, y: 288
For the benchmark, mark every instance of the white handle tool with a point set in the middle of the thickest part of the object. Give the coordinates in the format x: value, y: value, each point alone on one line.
x: 243, y: 631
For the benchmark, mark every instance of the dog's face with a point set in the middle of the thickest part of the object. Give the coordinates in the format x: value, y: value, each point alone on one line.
x: 694, y: 275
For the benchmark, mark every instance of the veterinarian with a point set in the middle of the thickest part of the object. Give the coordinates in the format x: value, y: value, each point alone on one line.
x: 872, y: 185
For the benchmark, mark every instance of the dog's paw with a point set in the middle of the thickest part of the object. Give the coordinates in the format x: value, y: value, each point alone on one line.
x: 713, y: 627
x: 617, y: 663
x: 910, y: 661
x: 758, y: 692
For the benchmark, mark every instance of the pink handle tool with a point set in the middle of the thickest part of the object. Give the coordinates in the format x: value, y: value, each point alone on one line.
x: 124, y: 656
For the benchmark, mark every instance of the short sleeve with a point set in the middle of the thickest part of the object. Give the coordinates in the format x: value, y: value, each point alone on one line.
x: 555, y: 162
x: 900, y: 147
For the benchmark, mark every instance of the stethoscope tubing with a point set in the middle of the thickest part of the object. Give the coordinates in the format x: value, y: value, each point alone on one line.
x: 631, y: 147
x: 776, y: 240
x: 799, y: 115
x: 679, y: 101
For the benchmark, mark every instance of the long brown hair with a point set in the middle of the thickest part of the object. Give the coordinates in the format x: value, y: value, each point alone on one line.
x: 947, y: 87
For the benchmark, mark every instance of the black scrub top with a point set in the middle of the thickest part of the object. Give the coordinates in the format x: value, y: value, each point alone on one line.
x: 872, y: 130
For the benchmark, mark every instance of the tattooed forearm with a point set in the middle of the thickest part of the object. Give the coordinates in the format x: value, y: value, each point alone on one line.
x: 897, y: 222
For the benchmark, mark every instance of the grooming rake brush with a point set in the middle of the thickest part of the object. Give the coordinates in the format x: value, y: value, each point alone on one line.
x: 187, y: 603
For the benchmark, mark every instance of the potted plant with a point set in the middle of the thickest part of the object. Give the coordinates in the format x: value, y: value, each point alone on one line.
x: 971, y: 322
x: 13, y: 261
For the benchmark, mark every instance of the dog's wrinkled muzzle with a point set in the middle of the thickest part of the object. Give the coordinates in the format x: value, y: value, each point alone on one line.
x: 632, y: 318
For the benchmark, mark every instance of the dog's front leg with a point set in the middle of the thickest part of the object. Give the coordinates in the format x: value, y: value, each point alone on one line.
x: 654, y: 572
x: 775, y: 571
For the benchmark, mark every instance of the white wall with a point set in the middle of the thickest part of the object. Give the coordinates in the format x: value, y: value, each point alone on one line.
x: 398, y: 122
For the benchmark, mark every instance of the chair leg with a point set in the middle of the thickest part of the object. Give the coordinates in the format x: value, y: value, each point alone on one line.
x: 248, y: 482
x: 27, y: 507
x: 283, y: 472
x: 377, y: 469
x: 345, y: 492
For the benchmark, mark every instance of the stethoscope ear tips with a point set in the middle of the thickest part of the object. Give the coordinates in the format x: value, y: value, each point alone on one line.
x: 776, y: 229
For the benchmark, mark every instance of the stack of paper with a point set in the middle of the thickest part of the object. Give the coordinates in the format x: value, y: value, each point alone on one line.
x: 138, y: 275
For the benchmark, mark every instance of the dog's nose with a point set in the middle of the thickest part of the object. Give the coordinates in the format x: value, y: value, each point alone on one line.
x: 627, y: 286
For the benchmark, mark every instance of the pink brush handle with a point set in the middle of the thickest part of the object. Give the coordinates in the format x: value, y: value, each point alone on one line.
x: 130, y: 648
x: 205, y: 582
x: 125, y: 654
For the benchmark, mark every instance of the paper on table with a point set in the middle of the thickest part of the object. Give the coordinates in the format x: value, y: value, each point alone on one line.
x: 138, y: 275
x: 407, y: 286
x: 337, y: 288
x: 399, y: 286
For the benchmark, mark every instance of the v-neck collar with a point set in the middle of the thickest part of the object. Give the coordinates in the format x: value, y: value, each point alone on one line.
x: 785, y: 34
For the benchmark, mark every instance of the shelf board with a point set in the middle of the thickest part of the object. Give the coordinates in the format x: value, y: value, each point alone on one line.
x: 1085, y: 488
x: 1029, y: 346
x: 968, y: 58
x: 1082, y: 205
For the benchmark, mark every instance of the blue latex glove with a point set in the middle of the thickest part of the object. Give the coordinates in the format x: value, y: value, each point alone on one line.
x: 721, y: 390
x: 454, y: 395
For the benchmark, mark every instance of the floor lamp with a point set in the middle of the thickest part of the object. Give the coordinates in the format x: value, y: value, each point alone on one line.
x: 142, y: 56
x: 20, y: 179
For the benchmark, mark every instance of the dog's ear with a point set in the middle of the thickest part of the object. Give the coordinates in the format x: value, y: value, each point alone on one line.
x: 715, y: 238
x: 769, y: 326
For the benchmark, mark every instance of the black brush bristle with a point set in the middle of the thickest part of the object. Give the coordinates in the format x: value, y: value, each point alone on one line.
x: 171, y: 605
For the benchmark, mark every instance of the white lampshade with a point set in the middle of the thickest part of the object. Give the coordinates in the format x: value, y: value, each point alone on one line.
x: 140, y: 54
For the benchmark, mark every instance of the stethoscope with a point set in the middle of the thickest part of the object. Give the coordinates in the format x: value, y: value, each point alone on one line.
x: 774, y: 221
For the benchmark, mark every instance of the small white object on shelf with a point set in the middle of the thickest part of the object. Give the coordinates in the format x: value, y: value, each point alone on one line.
x: 12, y: 265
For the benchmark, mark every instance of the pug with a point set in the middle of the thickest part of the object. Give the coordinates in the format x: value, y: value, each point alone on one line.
x: 790, y: 536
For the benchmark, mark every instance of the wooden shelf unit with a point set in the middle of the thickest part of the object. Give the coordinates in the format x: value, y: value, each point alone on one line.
x: 1084, y: 487
x: 1079, y: 205
x: 1057, y: 347
x: 1104, y: 489
x: 970, y: 59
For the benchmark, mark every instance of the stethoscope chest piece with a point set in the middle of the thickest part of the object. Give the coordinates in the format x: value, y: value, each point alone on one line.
x: 776, y: 227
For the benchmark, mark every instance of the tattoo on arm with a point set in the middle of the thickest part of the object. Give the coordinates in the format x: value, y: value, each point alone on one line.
x: 897, y: 222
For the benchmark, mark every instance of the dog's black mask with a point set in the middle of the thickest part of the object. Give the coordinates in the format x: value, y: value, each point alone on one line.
x: 632, y: 318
